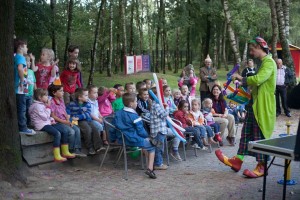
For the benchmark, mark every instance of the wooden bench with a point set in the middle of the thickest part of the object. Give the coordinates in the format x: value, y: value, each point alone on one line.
x: 37, y: 149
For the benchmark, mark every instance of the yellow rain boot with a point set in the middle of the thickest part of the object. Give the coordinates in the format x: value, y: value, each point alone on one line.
x: 65, y: 151
x: 57, y: 156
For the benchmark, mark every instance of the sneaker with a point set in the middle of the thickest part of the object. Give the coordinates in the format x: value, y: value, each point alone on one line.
x: 204, y: 148
x: 100, y: 149
x: 91, y: 151
x: 176, y: 156
x: 28, y: 132
x: 162, y: 167
x: 78, y: 153
x: 288, y: 114
x: 196, y: 146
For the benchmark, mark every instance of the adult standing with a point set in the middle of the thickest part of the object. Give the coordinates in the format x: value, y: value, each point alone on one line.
x: 261, y: 112
x: 208, y: 76
x: 282, y: 81
x: 222, y: 116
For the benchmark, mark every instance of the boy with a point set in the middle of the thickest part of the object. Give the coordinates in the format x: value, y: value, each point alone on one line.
x: 143, y: 103
x: 148, y: 83
x: 118, y: 103
x: 21, y: 85
x: 95, y: 114
x: 132, y: 127
x: 81, y: 110
x: 130, y: 87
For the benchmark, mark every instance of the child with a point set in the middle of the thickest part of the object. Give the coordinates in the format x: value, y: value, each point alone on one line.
x: 131, y: 125
x: 232, y: 109
x: 164, y: 81
x: 208, y: 112
x: 95, y: 114
x: 46, y: 70
x: 197, y: 118
x: 73, y: 52
x: 81, y: 110
x: 70, y: 78
x: 148, y: 83
x: 41, y: 120
x: 176, y: 96
x: 185, y: 94
x: 130, y: 87
x: 105, y: 97
x: 139, y: 85
x: 143, y: 103
x: 31, y: 85
x: 169, y: 99
x: 118, y: 103
x: 188, y: 78
x: 59, y: 114
x: 20, y: 85
x: 198, y: 132
x: 241, y: 112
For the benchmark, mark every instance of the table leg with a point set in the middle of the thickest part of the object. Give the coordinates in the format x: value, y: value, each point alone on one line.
x: 286, y: 164
x: 265, y: 176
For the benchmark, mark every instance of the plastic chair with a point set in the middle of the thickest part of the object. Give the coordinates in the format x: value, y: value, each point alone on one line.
x: 123, y: 147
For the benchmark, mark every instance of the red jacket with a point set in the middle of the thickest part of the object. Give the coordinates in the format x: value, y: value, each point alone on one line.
x: 69, y: 79
x: 183, y: 118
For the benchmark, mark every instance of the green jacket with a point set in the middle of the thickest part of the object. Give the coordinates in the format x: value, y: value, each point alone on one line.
x: 263, y: 94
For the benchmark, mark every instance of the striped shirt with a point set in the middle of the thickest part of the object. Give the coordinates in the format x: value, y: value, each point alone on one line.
x: 83, y: 111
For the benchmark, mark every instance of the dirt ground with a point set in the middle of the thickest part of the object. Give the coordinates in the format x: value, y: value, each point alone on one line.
x: 202, y: 177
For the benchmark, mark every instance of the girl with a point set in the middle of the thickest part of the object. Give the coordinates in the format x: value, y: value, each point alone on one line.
x: 208, y: 112
x: 73, y: 52
x: 177, y: 96
x: 69, y: 78
x: 168, y: 99
x: 45, y: 70
x: 182, y: 115
x: 40, y: 118
x: 185, y: 94
x: 105, y: 98
x: 188, y: 78
x: 58, y: 112
x: 197, y: 118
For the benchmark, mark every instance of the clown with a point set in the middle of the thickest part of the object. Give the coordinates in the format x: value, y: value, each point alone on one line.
x: 260, y: 119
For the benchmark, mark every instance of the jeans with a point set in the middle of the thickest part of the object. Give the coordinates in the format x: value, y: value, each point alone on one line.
x: 59, y: 133
x: 98, y: 125
x: 73, y: 136
x: 28, y: 102
x: 216, y: 127
x: 91, y: 134
x: 159, y: 150
x: 196, y: 133
x: 148, y: 146
x: 209, y: 131
x: 21, y: 112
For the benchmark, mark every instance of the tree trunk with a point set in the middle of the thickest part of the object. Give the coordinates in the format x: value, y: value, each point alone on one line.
x: 286, y: 14
x: 274, y: 28
x: 110, y: 38
x: 139, y: 23
x: 215, y: 56
x: 69, y: 28
x: 10, y: 152
x: 224, y: 46
x: 131, y: 29
x: 53, y: 27
x: 150, y: 32
x: 123, y: 8
x: 208, y: 30
x: 164, y: 35
x: 231, y: 32
x: 95, y: 43
x: 286, y: 54
x: 177, y: 51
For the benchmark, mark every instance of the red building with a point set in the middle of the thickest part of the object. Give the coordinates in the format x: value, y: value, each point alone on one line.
x: 295, y: 51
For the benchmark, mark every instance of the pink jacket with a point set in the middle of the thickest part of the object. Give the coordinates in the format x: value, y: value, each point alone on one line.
x: 40, y: 115
x: 192, y: 82
x: 104, y: 103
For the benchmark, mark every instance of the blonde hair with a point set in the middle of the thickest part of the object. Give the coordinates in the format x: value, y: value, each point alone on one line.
x: 49, y: 52
x: 205, y: 101
x: 197, y: 101
x: 176, y: 91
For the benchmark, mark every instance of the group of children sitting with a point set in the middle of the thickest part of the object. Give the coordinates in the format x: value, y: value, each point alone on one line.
x: 71, y: 111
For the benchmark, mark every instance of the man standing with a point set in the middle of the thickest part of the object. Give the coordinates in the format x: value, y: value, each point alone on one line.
x: 282, y: 80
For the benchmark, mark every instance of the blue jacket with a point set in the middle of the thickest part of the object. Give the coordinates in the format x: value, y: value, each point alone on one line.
x: 83, y: 112
x: 128, y: 121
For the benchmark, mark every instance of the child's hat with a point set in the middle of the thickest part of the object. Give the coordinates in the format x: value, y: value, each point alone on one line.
x: 57, y: 81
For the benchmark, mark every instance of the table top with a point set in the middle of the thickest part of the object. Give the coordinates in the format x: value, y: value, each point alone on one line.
x: 281, y: 147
